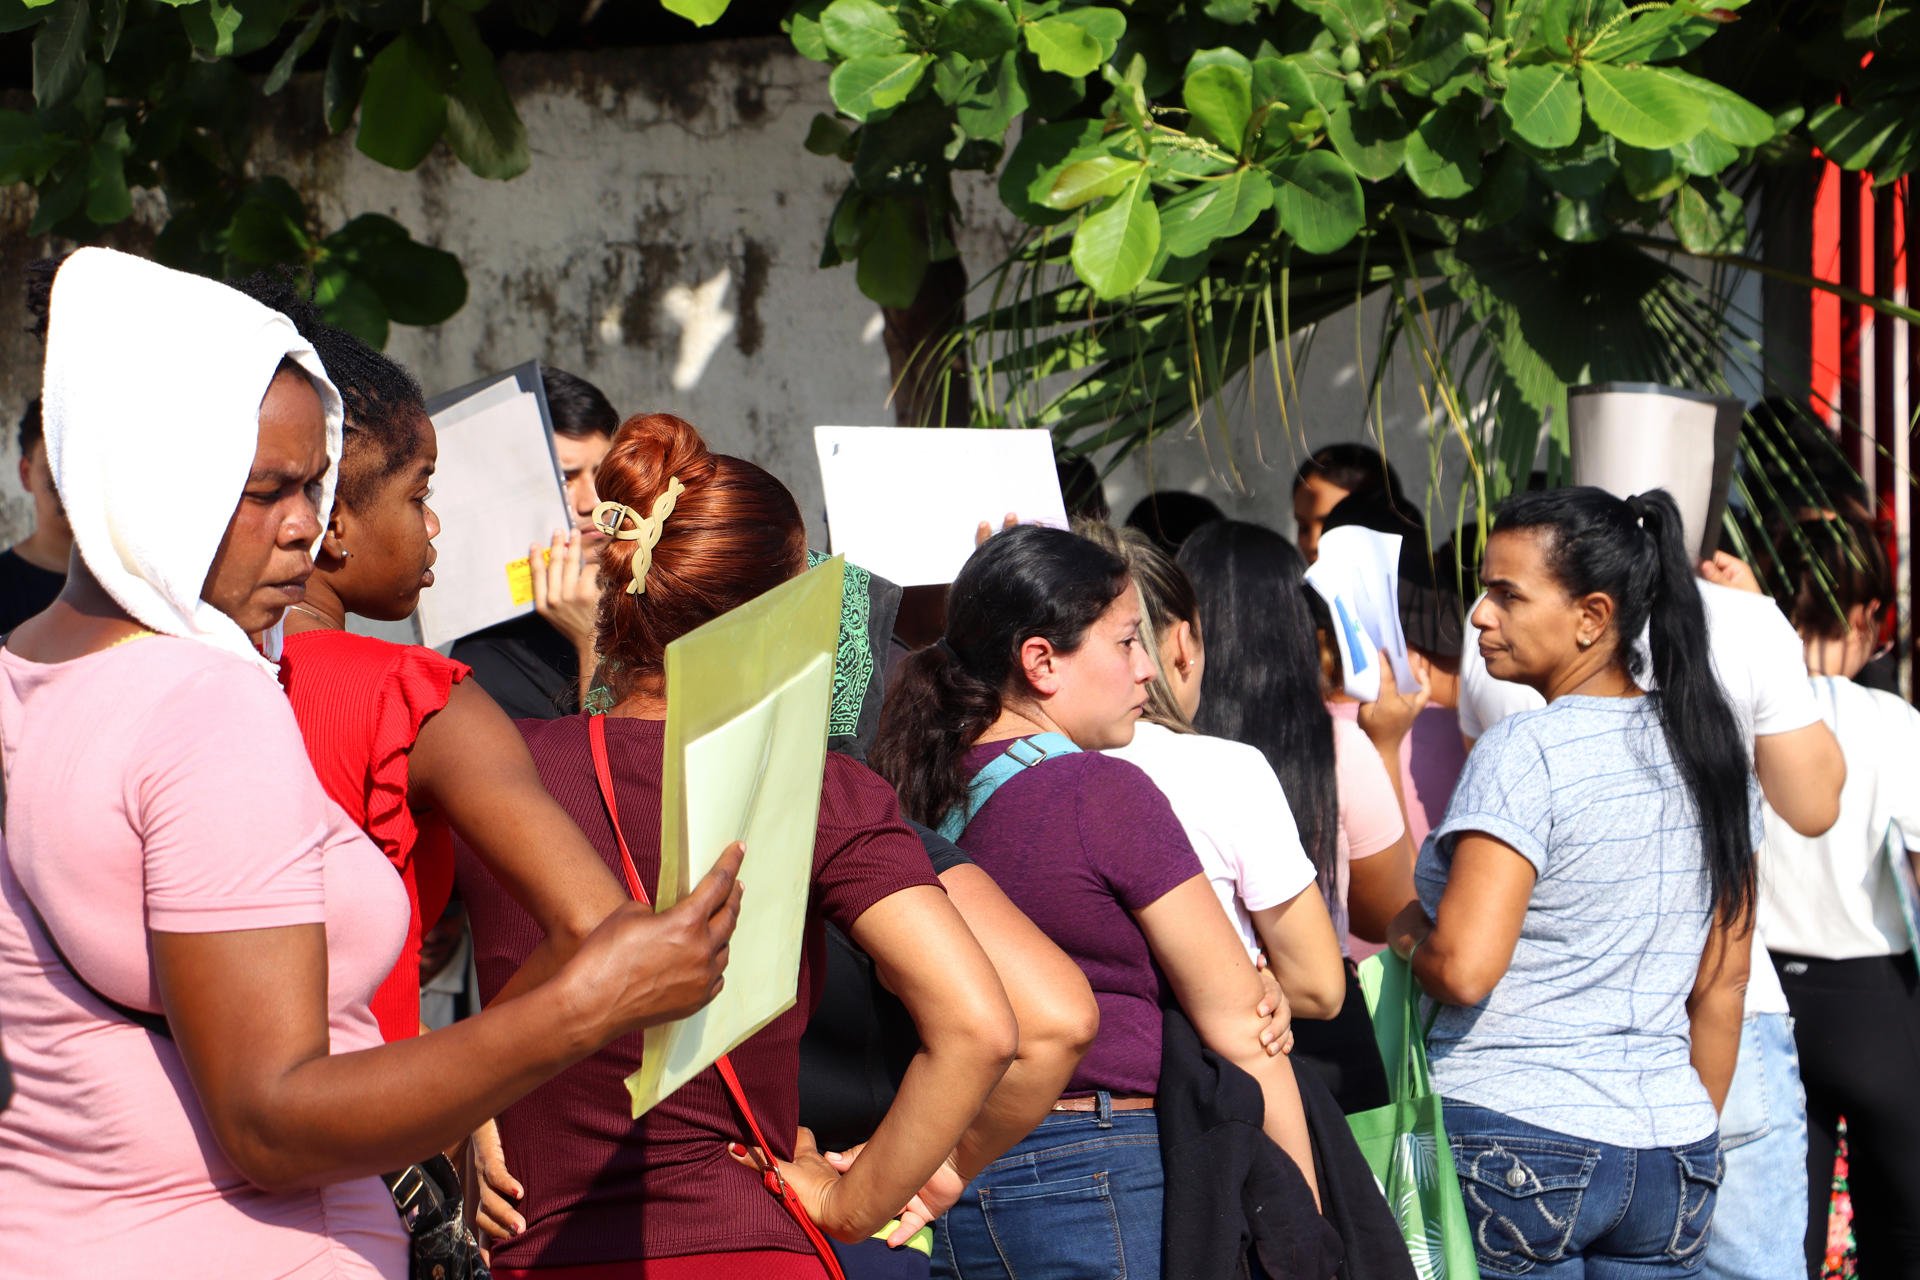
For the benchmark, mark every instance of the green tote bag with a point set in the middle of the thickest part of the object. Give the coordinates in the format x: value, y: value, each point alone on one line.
x: 1405, y: 1142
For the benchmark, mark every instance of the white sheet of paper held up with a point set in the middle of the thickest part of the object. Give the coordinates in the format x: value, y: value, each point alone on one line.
x: 1358, y: 575
x: 905, y: 502
x: 497, y: 492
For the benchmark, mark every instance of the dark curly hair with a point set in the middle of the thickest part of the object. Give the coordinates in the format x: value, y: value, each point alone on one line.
x: 384, y: 404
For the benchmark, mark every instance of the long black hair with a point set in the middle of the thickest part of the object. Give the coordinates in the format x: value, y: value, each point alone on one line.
x: 1264, y: 685
x: 1635, y: 552
x: 1029, y: 581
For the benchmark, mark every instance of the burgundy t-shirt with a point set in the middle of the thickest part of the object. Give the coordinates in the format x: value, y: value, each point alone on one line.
x: 600, y: 1186
x: 1079, y: 843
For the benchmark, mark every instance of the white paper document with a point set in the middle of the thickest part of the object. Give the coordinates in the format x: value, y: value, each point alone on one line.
x: 497, y: 491
x: 1358, y: 575
x: 904, y: 502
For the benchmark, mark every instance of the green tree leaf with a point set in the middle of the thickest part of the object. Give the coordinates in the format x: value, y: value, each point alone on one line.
x: 1542, y: 103
x: 893, y: 255
x: 701, y: 13
x: 1062, y: 46
x: 1706, y: 154
x: 803, y: 28
x: 1106, y: 26
x: 108, y: 200
x: 1649, y: 175
x: 60, y: 52
x: 1708, y: 218
x: 978, y: 30
x: 1351, y: 21
x: 291, y: 55
x: 1195, y: 220
x: 1220, y: 100
x: 1642, y: 106
x: 112, y: 17
x: 346, y: 77
x: 403, y: 108
x: 864, y: 86
x: 1042, y: 151
x: 348, y: 302
x: 1318, y: 201
x: 416, y: 284
x: 1114, y: 248
x: 224, y: 29
x: 1094, y: 178
x: 263, y: 234
x: 1442, y: 55
x: 1579, y: 221
x: 26, y: 150
x: 861, y: 28
x: 1730, y: 117
x: 1443, y: 154
x: 1372, y: 141
x: 826, y: 136
x: 997, y: 97
x: 483, y: 128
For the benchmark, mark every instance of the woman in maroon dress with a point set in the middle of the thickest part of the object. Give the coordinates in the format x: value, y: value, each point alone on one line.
x: 662, y: 1197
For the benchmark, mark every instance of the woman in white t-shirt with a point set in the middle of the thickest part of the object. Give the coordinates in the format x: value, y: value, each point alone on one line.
x: 1831, y: 906
x: 1225, y: 795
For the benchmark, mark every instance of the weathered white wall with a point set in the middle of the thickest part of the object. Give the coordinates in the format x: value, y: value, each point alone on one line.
x: 665, y: 246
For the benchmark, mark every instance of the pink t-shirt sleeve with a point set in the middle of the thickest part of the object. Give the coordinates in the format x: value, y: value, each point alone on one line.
x: 1369, y: 809
x: 231, y: 819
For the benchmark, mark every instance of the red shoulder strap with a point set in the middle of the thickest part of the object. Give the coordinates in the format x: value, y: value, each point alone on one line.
x: 769, y: 1173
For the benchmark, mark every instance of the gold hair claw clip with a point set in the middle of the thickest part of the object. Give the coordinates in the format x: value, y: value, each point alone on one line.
x: 613, y: 519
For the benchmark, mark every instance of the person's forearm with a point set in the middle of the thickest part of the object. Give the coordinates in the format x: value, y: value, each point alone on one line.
x: 941, y: 1094
x: 1285, y: 1120
x: 1023, y: 1098
x: 1715, y: 1020
x: 350, y: 1115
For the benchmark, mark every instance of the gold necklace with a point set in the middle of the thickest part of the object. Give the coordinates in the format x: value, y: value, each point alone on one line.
x: 141, y: 634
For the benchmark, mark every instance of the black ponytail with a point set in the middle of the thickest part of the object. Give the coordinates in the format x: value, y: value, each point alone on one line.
x: 1029, y: 581
x: 1635, y: 552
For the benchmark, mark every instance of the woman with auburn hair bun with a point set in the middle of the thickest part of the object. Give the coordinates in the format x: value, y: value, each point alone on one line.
x: 677, y: 1193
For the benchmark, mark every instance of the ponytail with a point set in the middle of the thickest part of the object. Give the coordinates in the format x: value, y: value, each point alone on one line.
x: 1635, y: 552
x: 1698, y: 722
x: 1029, y: 581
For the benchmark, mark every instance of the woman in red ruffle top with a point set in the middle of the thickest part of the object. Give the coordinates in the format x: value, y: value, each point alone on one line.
x: 400, y: 739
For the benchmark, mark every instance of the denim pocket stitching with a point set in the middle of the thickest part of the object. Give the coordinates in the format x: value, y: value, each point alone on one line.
x: 1686, y: 1216
x: 1095, y: 1183
x: 1762, y: 1087
x: 1560, y: 1215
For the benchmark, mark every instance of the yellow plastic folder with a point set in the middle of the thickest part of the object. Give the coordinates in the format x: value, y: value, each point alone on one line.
x: 746, y: 743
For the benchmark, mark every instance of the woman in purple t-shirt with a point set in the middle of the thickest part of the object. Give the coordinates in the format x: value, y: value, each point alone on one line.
x: 1043, y: 638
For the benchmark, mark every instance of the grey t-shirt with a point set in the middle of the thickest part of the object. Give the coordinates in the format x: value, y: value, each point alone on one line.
x: 1587, y: 1033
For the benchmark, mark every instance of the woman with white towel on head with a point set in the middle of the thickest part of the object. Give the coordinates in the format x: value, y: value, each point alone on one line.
x: 189, y: 931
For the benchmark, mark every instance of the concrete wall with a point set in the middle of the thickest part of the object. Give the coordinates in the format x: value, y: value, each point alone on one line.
x: 665, y: 246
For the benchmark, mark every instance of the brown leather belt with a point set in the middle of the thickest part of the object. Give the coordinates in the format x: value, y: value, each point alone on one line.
x: 1129, y: 1103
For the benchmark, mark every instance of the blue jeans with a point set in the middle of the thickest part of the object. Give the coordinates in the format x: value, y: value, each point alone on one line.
x: 1761, y: 1223
x: 1079, y: 1198
x: 1556, y: 1207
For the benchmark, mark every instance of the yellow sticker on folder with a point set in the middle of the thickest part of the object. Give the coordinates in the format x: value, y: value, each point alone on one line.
x: 746, y: 738
x: 520, y: 580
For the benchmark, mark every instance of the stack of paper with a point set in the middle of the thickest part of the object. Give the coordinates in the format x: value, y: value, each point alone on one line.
x: 1358, y: 575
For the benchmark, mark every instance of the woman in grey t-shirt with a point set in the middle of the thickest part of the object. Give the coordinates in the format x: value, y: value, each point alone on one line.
x: 1586, y: 906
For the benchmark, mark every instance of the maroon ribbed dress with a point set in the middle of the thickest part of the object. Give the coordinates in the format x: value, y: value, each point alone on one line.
x: 606, y: 1189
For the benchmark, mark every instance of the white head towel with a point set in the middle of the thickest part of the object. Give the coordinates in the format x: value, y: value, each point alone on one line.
x: 152, y: 400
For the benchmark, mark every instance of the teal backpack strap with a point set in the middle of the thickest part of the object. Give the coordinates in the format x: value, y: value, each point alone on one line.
x: 1021, y: 753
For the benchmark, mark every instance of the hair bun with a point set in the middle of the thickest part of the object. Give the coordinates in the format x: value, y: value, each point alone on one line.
x: 648, y: 450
